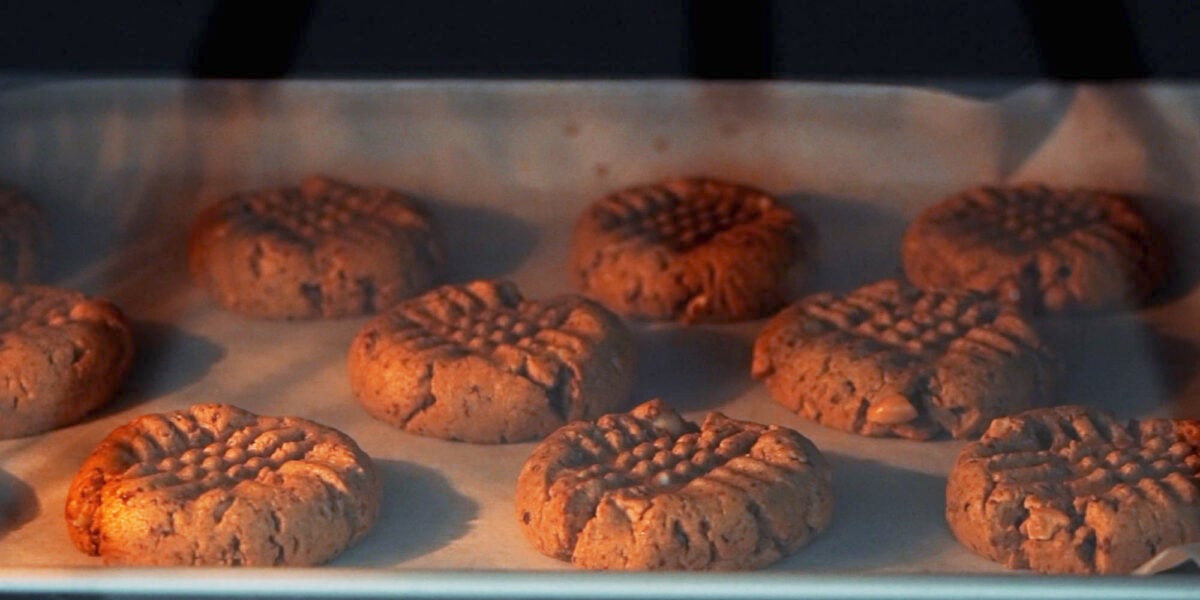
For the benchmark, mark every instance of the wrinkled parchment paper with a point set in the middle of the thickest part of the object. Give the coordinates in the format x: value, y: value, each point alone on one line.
x: 122, y: 166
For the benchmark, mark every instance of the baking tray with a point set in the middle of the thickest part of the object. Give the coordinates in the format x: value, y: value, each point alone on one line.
x: 121, y: 167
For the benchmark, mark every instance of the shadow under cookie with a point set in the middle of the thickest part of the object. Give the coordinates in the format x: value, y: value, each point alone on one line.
x: 166, y: 360
x: 420, y: 513
x: 481, y: 242
x: 18, y: 503
x: 1177, y: 361
x: 857, y: 243
x: 883, y: 516
x: 1109, y: 362
x: 1177, y: 220
x: 692, y: 368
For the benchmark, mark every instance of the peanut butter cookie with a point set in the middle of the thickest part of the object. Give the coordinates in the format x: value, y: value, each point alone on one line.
x: 649, y: 490
x: 1072, y: 490
x: 62, y: 356
x: 1043, y: 249
x: 889, y: 359
x: 217, y: 485
x: 689, y: 249
x: 480, y: 363
x: 325, y: 249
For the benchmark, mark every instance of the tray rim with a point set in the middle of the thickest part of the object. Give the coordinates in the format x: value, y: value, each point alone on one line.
x: 338, y: 582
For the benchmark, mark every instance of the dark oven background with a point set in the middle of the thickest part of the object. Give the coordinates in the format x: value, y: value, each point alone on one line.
x: 812, y: 39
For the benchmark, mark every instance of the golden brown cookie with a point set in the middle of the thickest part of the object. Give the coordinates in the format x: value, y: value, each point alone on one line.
x: 62, y: 356
x: 689, y: 249
x: 649, y: 490
x: 1072, y: 490
x: 22, y: 234
x: 480, y: 363
x: 1041, y: 248
x: 217, y: 485
x: 324, y: 249
x: 889, y: 359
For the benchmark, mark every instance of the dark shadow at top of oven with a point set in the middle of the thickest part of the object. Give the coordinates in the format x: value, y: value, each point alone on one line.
x: 481, y: 242
x: 420, y: 513
x: 18, y: 503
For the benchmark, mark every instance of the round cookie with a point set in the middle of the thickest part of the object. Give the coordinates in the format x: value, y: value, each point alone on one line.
x: 889, y: 359
x: 217, y: 485
x: 324, y: 249
x: 649, y: 490
x: 62, y: 356
x: 1071, y: 490
x: 22, y: 233
x: 479, y: 363
x: 689, y: 249
x: 1043, y: 249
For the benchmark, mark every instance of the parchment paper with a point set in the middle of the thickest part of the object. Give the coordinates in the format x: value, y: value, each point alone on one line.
x: 122, y: 166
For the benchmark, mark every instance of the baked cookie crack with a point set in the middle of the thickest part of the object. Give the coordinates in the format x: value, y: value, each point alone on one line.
x: 691, y: 249
x: 1039, y: 248
x: 648, y: 490
x: 1070, y: 489
x: 480, y: 363
x: 892, y: 360
x: 306, y: 251
x: 216, y: 485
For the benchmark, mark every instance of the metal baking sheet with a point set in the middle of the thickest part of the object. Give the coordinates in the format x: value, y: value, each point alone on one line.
x: 121, y: 166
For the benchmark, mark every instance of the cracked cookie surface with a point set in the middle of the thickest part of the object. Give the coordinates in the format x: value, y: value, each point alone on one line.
x: 1040, y: 248
x: 1072, y: 490
x: 22, y: 234
x: 480, y: 363
x: 217, y: 485
x: 62, y: 356
x: 889, y: 359
x: 689, y: 249
x: 324, y: 249
x: 648, y: 490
